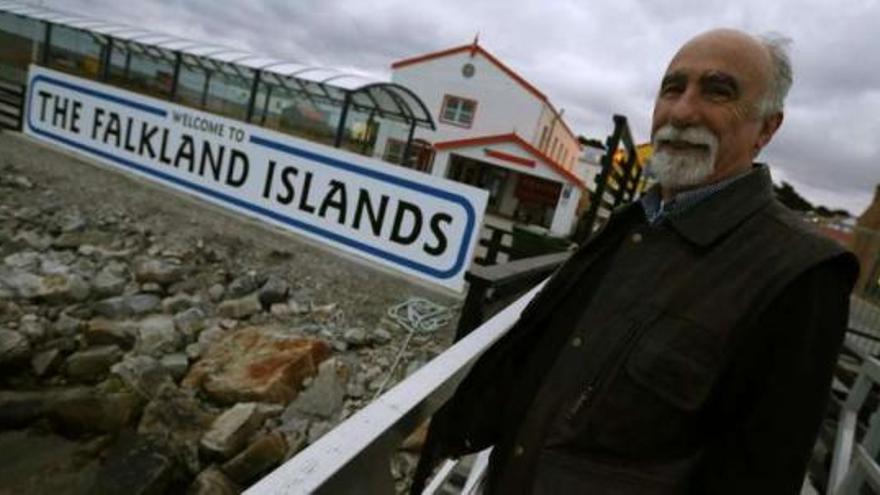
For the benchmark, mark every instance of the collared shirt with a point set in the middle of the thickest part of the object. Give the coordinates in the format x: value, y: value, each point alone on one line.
x: 656, y: 210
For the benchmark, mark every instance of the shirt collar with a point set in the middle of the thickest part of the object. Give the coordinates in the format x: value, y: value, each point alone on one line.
x: 703, y: 215
x: 656, y: 209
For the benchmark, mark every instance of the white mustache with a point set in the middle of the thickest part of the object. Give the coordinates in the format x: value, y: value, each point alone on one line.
x: 696, y: 135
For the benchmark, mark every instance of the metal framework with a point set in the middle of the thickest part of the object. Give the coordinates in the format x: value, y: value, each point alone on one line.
x: 348, y: 90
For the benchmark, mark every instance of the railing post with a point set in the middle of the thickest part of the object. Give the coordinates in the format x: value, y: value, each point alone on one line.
x: 473, y: 310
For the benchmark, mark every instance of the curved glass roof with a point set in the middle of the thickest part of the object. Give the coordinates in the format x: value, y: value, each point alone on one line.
x: 368, y: 93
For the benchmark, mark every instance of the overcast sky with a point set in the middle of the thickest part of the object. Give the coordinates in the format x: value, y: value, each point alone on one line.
x: 592, y: 58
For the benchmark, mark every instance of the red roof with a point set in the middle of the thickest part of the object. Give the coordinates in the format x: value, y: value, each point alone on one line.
x: 474, y: 49
x: 515, y: 139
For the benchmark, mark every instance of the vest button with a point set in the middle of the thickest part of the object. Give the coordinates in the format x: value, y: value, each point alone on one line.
x: 518, y: 451
x: 636, y: 238
x: 576, y: 342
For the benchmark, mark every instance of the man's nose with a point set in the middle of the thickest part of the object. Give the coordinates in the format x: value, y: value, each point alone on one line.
x: 685, y: 110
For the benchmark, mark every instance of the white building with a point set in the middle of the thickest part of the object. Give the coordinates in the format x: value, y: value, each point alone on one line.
x: 495, y: 130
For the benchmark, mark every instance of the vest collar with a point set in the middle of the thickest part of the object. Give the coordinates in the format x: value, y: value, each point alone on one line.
x: 718, y: 214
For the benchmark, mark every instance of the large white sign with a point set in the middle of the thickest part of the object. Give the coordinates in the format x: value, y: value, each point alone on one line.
x: 407, y: 220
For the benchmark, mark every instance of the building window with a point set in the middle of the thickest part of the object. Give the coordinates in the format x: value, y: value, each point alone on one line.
x: 458, y: 111
x: 394, y: 150
x: 542, y: 144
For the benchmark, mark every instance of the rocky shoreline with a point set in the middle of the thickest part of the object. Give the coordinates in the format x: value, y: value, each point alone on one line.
x: 165, y: 347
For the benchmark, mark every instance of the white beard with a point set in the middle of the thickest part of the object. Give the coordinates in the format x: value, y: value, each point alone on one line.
x: 682, y: 170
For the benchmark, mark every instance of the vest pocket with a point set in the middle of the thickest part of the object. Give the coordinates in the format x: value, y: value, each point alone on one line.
x: 650, y: 406
x: 678, y: 360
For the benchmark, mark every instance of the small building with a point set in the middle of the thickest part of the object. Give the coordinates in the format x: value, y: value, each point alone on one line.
x: 495, y: 130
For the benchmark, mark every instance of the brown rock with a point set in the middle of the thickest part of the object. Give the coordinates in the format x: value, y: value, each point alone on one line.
x: 257, y: 459
x: 101, y: 331
x: 212, y: 481
x: 256, y: 364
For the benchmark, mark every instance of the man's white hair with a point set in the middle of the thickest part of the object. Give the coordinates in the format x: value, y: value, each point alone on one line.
x: 777, y: 46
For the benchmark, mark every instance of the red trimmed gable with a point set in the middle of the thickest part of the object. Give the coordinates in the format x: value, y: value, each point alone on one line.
x: 511, y: 138
x: 473, y: 49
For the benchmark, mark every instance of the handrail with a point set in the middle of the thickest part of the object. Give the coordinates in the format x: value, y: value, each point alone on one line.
x: 353, y: 457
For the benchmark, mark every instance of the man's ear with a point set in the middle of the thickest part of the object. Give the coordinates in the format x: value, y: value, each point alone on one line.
x: 769, y: 126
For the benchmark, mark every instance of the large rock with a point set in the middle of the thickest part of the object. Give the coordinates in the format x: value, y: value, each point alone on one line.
x: 176, y: 420
x: 14, y: 348
x: 160, y: 271
x: 156, y: 336
x: 324, y: 397
x: 232, y: 429
x: 257, y: 459
x: 93, y: 363
x: 240, y: 308
x: 256, y: 364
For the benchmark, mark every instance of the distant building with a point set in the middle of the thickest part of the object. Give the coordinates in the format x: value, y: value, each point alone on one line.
x: 495, y: 130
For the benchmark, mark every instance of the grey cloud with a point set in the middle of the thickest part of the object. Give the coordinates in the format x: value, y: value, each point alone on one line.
x: 593, y: 59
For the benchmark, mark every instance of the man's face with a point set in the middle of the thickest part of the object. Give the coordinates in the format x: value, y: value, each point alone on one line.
x: 711, y: 89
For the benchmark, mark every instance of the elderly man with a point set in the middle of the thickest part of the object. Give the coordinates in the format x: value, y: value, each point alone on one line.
x: 688, y: 347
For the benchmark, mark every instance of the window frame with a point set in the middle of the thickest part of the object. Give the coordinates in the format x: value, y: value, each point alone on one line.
x: 446, y: 100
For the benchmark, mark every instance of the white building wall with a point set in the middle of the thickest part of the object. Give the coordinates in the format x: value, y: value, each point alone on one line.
x: 503, y: 105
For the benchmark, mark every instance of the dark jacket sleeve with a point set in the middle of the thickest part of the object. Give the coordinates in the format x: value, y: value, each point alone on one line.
x: 779, y: 388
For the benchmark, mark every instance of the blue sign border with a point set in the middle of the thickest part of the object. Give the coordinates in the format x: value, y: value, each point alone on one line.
x: 285, y: 148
